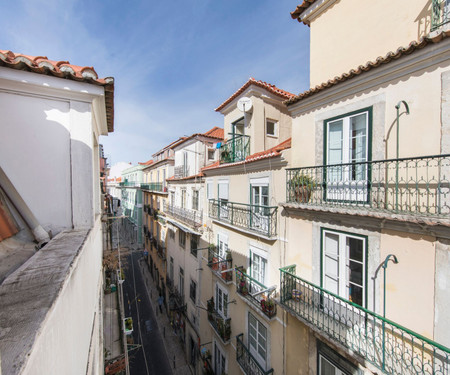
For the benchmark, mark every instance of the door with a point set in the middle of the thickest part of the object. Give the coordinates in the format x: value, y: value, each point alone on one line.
x: 260, y: 212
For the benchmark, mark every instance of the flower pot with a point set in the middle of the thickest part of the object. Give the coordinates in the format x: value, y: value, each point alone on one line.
x: 302, y: 194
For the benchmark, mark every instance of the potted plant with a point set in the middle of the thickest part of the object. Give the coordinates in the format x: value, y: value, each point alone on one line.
x: 128, y: 324
x: 302, y: 185
x: 242, y: 287
x: 268, y: 306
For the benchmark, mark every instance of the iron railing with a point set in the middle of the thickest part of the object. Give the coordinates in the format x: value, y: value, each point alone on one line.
x: 221, y: 325
x: 387, y: 345
x: 129, y: 184
x: 181, y: 171
x: 161, y: 250
x: 235, y: 149
x: 440, y: 13
x: 258, y: 219
x: 255, y: 292
x: 246, y: 360
x: 415, y: 186
x: 189, y: 217
x: 154, y: 186
x: 219, y: 264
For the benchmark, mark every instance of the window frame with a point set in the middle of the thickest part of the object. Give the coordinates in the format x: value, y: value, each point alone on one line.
x: 182, y: 234
x: 221, y: 304
x: 365, y: 239
x: 193, y: 291
x: 275, y: 128
x: 263, y: 362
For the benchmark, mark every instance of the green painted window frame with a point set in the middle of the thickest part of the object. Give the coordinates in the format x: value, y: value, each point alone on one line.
x: 369, y: 110
x: 366, y: 258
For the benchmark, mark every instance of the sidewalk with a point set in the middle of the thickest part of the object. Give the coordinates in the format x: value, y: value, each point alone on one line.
x: 171, y: 341
x: 111, y: 329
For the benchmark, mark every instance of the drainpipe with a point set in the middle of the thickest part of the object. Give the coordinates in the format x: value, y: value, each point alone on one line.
x: 22, y: 208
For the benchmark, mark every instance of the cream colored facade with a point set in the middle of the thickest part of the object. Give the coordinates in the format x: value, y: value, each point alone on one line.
x: 336, y: 52
x: 247, y: 232
x: 373, y: 194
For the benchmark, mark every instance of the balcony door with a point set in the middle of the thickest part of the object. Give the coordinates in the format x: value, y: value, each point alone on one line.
x: 223, y: 200
x: 257, y: 340
x: 221, y: 301
x: 259, y: 196
x: 220, y: 360
x: 258, y: 269
x: 347, y: 151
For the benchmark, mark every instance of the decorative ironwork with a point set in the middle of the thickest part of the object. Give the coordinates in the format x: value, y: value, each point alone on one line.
x: 417, y: 186
x: 219, y: 264
x: 256, y: 293
x: 221, y: 325
x: 154, y: 186
x: 235, y: 149
x: 189, y: 217
x: 440, y: 13
x: 246, y: 360
x: 387, y: 345
x: 129, y: 184
x: 258, y: 219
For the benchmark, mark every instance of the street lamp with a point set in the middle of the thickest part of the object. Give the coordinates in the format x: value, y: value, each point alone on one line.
x: 384, y: 266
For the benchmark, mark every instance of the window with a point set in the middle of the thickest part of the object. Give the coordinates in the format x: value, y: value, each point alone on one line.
x: 211, y: 154
x: 182, y: 238
x: 195, y: 200
x: 181, y: 283
x: 222, y: 245
x: 171, y: 269
x: 192, y: 352
x: 172, y: 198
x: 258, y: 265
x: 171, y: 234
x: 219, y: 360
x: 328, y: 368
x: 344, y: 265
x: 193, y: 291
x: 257, y: 339
x: 271, y: 128
x: 221, y: 301
x: 185, y: 164
x: 259, y: 196
x: 194, y: 245
x: 331, y: 363
x: 183, y: 198
x: 346, y: 146
x: 223, y: 199
x: 209, y: 190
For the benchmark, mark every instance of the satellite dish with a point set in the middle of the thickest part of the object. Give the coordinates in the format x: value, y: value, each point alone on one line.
x: 244, y: 104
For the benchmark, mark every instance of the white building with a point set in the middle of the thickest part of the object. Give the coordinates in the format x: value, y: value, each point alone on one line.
x: 51, y: 311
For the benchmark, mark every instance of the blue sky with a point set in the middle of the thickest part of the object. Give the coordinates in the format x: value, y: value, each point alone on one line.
x: 173, y: 61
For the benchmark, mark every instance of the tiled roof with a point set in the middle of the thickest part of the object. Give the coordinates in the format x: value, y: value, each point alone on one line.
x: 215, y: 132
x: 149, y: 162
x: 301, y: 8
x: 391, y: 56
x: 270, y: 153
x: 269, y: 87
x: 63, y: 69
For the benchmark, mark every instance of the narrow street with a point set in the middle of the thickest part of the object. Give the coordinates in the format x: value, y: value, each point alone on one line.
x: 150, y: 356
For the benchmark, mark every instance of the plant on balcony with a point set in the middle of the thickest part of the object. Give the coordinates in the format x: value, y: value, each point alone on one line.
x: 302, y: 185
x: 268, y: 306
x: 128, y: 325
x: 242, y: 287
x: 224, y: 329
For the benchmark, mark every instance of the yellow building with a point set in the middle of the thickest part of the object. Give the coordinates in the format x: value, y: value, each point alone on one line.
x: 240, y: 326
x: 365, y: 281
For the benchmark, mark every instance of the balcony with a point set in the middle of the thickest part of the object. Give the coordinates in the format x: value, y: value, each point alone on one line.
x: 161, y: 250
x: 220, y: 265
x: 235, y: 149
x: 176, y: 300
x: 181, y: 171
x: 256, y: 293
x: 440, y: 13
x: 387, y: 345
x: 221, y: 325
x: 169, y: 283
x: 190, y: 217
x: 246, y: 360
x: 410, y: 186
x: 155, y: 186
x: 257, y: 219
x: 129, y: 184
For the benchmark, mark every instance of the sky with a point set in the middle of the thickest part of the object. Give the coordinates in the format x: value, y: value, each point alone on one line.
x: 173, y: 62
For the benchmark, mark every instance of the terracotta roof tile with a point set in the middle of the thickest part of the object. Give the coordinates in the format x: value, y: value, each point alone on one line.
x: 391, y: 56
x: 270, y: 153
x: 215, y: 132
x: 301, y: 8
x: 149, y: 162
x: 269, y: 87
x: 63, y: 69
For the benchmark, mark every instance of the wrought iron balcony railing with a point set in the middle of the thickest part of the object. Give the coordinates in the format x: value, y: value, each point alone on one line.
x: 255, y: 292
x: 178, y: 299
x: 221, y: 325
x: 247, y: 361
x: 154, y: 186
x: 161, y: 250
x: 254, y: 218
x: 440, y: 13
x: 181, y: 171
x: 235, y: 149
x: 414, y: 186
x: 220, y: 265
x: 190, y: 217
x: 387, y: 345
x: 129, y: 184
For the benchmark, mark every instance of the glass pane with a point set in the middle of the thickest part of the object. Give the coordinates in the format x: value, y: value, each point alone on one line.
x: 335, y: 142
x: 331, y: 262
x: 355, y: 273
x: 326, y: 368
x: 355, y: 246
x: 355, y: 294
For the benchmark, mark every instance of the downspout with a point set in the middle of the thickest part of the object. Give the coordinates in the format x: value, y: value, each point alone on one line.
x: 22, y: 208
